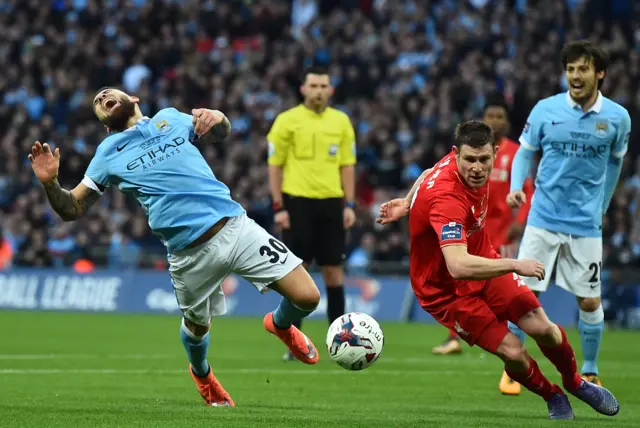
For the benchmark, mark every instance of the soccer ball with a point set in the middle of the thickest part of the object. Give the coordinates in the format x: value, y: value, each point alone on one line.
x: 355, y: 341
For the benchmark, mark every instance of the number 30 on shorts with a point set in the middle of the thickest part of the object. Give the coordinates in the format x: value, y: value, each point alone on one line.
x: 274, y: 256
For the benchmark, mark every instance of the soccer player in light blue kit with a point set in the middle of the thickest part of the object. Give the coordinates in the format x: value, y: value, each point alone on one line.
x: 583, y: 137
x: 207, y: 234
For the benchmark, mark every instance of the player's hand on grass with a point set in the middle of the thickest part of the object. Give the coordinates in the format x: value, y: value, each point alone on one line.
x: 348, y: 217
x: 530, y: 268
x: 281, y: 218
x: 204, y: 120
x: 44, y: 163
x: 516, y: 198
x: 393, y: 211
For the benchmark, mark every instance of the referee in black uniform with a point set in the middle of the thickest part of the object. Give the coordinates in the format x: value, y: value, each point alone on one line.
x: 312, y: 154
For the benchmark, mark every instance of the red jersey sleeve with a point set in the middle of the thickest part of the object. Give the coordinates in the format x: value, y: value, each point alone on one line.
x: 523, y: 212
x: 448, y: 214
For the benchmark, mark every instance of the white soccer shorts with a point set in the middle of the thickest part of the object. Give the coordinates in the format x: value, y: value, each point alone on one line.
x: 241, y: 247
x: 577, y: 260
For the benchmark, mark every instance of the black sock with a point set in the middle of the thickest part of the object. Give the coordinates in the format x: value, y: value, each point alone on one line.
x: 297, y: 323
x: 335, y: 302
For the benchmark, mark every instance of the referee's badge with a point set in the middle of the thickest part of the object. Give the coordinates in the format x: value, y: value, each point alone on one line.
x: 271, y: 149
x: 333, y: 149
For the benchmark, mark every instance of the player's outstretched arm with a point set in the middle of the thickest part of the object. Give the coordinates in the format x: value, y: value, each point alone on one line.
x: 395, y: 209
x: 417, y: 184
x: 69, y: 205
x: 462, y: 265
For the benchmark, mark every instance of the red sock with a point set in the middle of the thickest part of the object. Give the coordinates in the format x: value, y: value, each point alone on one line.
x: 452, y: 334
x: 534, y: 381
x: 563, y: 357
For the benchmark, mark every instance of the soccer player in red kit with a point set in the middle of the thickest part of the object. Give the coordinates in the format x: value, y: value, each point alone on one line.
x: 464, y: 284
x: 504, y: 225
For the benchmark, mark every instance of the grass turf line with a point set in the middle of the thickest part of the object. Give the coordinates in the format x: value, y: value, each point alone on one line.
x: 105, y: 370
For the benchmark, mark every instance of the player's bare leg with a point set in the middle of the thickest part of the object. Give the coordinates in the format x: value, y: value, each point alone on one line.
x: 450, y: 346
x: 591, y: 326
x: 195, y: 338
x: 300, y: 298
x: 334, y: 281
x: 553, y: 343
x: 507, y: 385
x: 288, y: 356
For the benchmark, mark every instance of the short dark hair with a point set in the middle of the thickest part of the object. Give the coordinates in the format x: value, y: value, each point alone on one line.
x: 474, y: 133
x: 573, y: 51
x: 314, y: 69
x: 103, y: 89
x: 496, y: 100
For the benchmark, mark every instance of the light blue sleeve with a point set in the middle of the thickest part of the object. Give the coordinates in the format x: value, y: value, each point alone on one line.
x: 614, y: 166
x: 98, y: 172
x: 183, y: 118
x: 531, y: 136
x: 621, y: 144
x: 521, y: 167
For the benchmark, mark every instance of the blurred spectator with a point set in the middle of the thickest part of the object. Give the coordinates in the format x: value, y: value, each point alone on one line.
x: 6, y: 252
x: 406, y: 71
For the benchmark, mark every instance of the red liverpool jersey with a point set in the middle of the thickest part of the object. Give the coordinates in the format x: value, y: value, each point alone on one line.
x: 500, y: 216
x: 446, y: 211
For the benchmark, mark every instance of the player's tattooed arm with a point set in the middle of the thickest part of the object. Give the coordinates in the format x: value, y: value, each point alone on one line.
x: 70, y: 204
x: 210, y: 125
x: 222, y: 130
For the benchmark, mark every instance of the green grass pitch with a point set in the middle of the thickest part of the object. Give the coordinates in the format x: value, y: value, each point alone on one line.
x: 86, y: 370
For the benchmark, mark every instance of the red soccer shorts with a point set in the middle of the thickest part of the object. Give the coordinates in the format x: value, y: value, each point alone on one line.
x: 481, y: 318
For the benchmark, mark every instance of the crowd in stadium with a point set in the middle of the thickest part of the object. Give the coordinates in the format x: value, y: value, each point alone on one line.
x: 405, y: 71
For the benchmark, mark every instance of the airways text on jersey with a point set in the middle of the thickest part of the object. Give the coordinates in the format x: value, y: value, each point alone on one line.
x: 155, y: 151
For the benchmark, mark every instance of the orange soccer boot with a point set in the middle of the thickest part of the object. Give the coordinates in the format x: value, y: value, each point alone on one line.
x: 211, y: 391
x: 300, y: 345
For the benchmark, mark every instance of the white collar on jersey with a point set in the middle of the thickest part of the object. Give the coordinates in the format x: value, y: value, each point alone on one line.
x: 596, y: 107
x: 140, y: 121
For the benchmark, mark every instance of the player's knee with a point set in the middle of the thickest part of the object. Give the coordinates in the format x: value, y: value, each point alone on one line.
x: 546, y: 334
x: 512, y: 351
x: 299, y: 288
x: 196, y: 329
x: 308, y: 299
x: 589, y: 304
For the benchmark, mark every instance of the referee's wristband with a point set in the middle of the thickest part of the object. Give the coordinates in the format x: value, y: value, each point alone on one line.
x: 351, y: 205
x: 277, y: 207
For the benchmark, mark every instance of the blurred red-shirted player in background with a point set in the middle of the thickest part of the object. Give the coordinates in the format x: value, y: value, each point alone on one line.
x: 468, y: 287
x: 504, y: 225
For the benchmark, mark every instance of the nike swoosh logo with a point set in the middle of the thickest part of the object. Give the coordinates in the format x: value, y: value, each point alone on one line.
x: 555, y: 123
x: 285, y: 259
x: 312, y: 350
x: 122, y: 147
x: 593, y: 287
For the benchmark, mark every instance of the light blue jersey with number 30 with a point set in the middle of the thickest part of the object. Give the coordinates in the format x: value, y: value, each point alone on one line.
x: 157, y: 163
x: 576, y: 149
